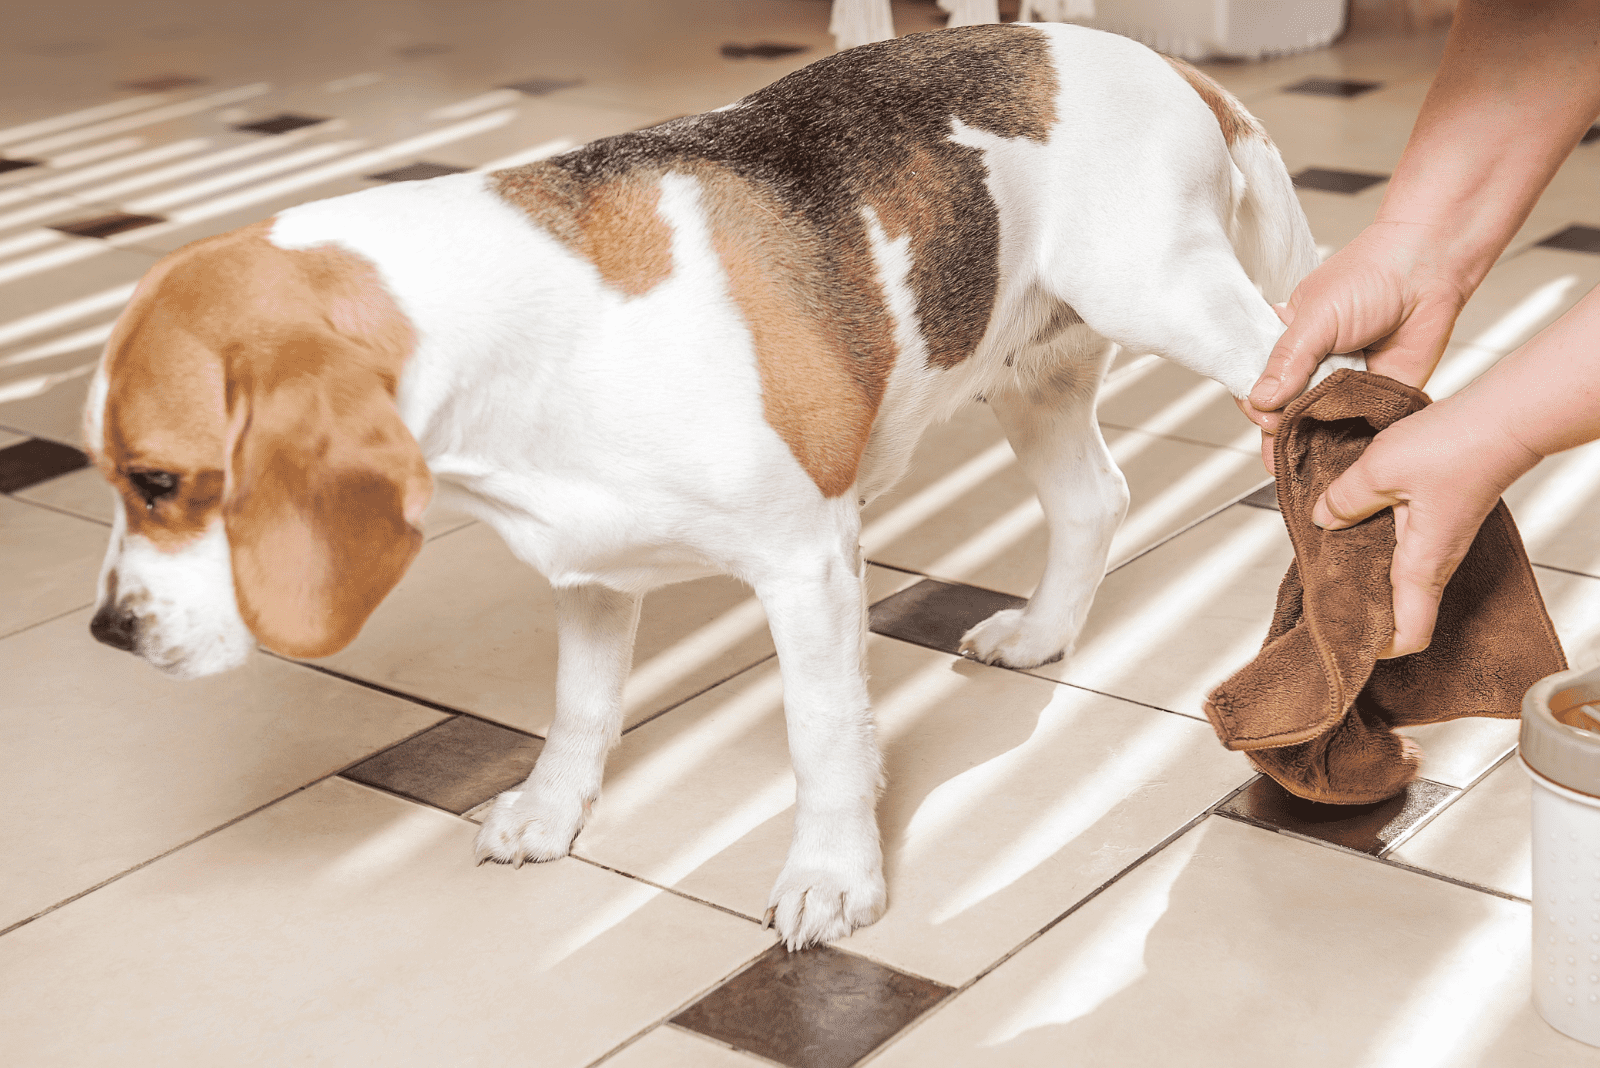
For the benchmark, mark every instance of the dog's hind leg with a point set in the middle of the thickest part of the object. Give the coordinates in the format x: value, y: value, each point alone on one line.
x: 538, y: 820
x: 832, y: 881
x: 1052, y: 428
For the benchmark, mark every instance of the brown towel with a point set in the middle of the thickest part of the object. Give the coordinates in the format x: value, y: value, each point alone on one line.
x: 1316, y: 708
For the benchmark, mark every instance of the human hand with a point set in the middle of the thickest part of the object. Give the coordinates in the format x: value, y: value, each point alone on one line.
x: 1442, y: 471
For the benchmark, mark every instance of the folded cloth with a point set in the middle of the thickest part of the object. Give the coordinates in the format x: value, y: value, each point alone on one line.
x: 1316, y: 708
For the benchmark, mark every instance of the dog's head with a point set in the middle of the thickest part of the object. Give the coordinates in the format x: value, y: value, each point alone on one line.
x: 244, y: 412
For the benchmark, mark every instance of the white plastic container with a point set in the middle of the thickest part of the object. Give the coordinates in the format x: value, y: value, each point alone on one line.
x: 1228, y: 29
x: 1560, y: 751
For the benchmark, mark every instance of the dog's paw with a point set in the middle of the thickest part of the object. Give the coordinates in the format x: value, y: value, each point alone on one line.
x: 817, y: 905
x: 1005, y: 638
x: 520, y: 829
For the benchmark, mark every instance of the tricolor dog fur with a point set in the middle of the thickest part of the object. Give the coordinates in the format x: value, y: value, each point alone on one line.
x: 697, y: 348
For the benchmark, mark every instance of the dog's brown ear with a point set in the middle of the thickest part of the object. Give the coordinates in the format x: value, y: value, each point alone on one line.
x: 326, y: 488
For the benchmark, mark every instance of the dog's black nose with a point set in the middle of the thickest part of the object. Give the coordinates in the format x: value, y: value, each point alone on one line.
x: 116, y: 628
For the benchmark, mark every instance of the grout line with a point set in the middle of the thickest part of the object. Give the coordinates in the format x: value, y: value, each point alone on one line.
x: 1178, y: 437
x: 1565, y: 570
x: 1041, y: 932
x: 667, y: 1018
x: 679, y: 704
x: 667, y: 889
x: 380, y: 688
x: 54, y: 507
x: 42, y: 622
x: 199, y: 837
x: 1460, y: 792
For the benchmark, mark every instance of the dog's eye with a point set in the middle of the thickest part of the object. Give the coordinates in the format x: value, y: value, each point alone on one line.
x: 153, y: 485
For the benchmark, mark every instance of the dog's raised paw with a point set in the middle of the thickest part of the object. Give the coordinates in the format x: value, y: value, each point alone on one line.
x: 814, y: 906
x: 519, y: 832
x: 1006, y: 638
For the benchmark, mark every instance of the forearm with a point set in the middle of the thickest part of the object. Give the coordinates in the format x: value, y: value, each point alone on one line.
x: 1517, y: 86
x: 1545, y: 395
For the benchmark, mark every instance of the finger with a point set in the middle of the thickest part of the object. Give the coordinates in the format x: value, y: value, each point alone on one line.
x: 1309, y: 337
x: 1266, y: 454
x: 1348, y: 500
x: 1419, y: 574
x: 1267, y: 421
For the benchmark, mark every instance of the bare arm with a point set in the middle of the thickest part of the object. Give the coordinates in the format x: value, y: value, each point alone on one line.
x: 1518, y: 85
x: 1443, y: 468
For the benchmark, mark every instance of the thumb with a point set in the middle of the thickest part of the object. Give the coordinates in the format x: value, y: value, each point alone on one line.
x: 1349, y: 499
x: 1311, y: 334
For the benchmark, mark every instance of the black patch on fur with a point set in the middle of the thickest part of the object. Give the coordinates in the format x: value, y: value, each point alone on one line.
x: 871, y: 127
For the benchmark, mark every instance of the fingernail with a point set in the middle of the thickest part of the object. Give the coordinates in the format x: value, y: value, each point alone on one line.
x: 1265, y: 393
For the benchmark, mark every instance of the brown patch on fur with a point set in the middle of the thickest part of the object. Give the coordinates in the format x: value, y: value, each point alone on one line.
x: 789, y: 173
x: 265, y: 380
x: 822, y: 376
x: 1231, y: 115
x: 614, y: 225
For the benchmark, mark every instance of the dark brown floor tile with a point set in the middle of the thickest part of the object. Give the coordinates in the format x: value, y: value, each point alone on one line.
x: 28, y: 463
x: 1373, y: 829
x: 164, y: 83
x: 1591, y: 135
x: 1332, y: 87
x: 764, y: 50
x: 1575, y: 239
x: 279, y: 124
x: 456, y: 765
x: 819, y: 1008
x: 106, y: 225
x: 7, y: 165
x: 1335, y: 181
x: 543, y: 86
x: 937, y: 614
x: 416, y: 172
x: 1263, y: 496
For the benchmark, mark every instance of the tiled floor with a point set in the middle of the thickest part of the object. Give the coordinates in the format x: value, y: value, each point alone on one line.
x: 274, y: 866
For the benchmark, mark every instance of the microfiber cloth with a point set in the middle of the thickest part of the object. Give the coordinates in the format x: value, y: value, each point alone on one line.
x: 1316, y: 708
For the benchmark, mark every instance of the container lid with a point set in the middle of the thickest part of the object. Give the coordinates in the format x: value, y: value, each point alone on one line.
x: 1561, y: 729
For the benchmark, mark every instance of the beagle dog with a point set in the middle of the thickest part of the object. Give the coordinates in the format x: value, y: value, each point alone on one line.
x: 696, y: 348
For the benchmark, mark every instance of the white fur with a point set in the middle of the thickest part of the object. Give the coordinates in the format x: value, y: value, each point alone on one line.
x: 619, y: 443
x: 188, y: 618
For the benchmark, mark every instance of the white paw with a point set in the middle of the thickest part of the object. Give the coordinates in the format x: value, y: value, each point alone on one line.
x: 816, y: 905
x: 522, y: 828
x: 1006, y: 638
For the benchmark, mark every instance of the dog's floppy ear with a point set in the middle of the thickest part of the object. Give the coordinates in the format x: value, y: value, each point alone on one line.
x: 325, y: 491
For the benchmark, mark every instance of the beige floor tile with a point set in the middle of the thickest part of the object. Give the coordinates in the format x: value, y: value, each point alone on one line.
x: 1366, y: 133
x: 343, y: 925
x: 1458, y: 752
x: 1522, y: 295
x: 1573, y: 602
x: 1169, y: 627
x: 1557, y: 510
x: 8, y: 439
x: 672, y: 1047
x: 109, y: 764
x: 1009, y: 798
x: 44, y: 372
x: 1239, y: 947
x: 83, y: 492
x: 1394, y: 59
x: 473, y: 627
x: 1175, y: 402
x: 51, y: 563
x: 1336, y: 218
x: 1484, y: 836
x: 966, y: 511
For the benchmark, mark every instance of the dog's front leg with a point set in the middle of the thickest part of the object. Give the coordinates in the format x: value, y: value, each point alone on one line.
x: 832, y: 881
x: 539, y: 819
